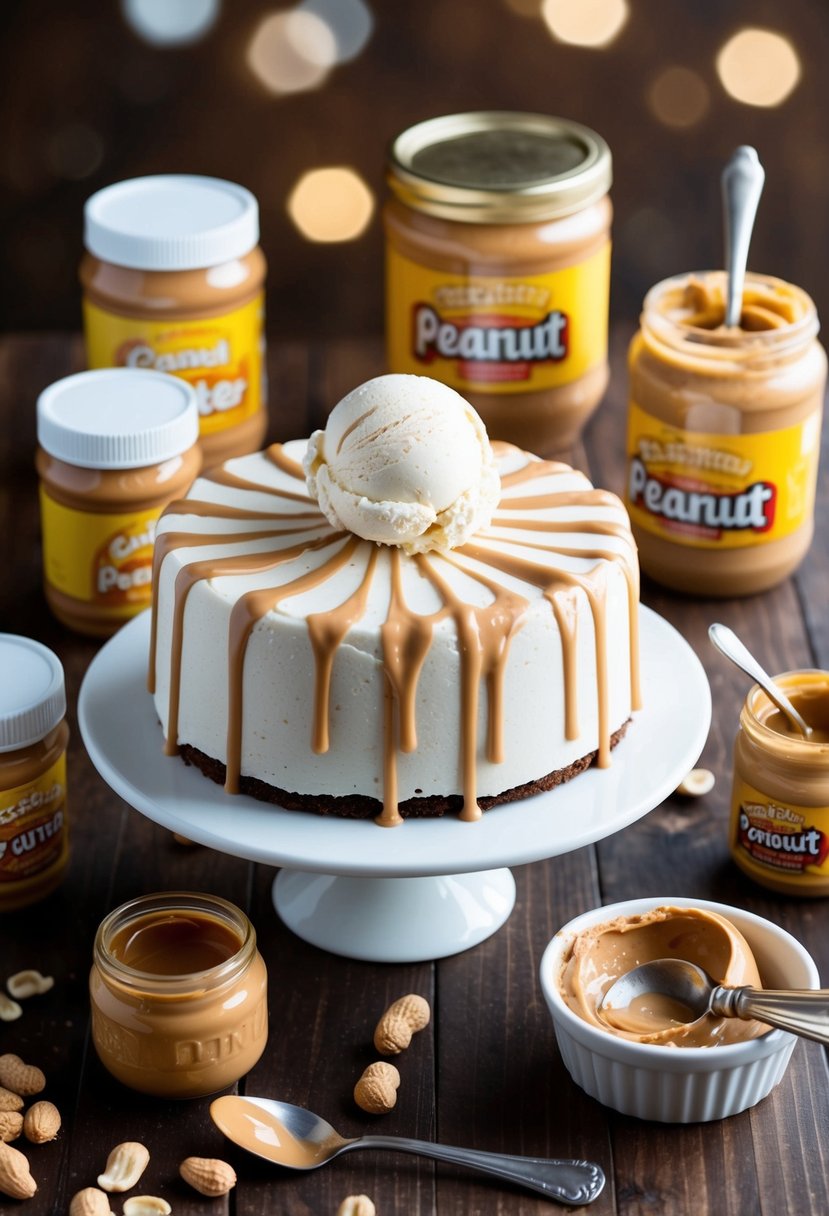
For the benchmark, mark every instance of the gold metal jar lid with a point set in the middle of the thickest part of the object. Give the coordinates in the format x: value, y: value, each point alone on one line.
x: 498, y: 166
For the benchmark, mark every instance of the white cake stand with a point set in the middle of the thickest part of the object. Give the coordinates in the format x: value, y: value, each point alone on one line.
x: 430, y: 887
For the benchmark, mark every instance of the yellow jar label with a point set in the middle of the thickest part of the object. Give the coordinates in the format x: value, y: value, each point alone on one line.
x: 100, y: 559
x: 714, y: 491
x: 778, y: 840
x: 220, y: 357
x: 496, y: 333
x: 33, y: 835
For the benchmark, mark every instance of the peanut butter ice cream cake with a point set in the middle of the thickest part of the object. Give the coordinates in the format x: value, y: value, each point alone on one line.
x: 394, y: 618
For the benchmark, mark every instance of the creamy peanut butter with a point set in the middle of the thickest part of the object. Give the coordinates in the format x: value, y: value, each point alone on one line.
x: 498, y: 262
x: 173, y: 280
x: 724, y: 434
x: 260, y: 1131
x: 34, y: 833
x: 601, y: 954
x: 779, y: 831
x: 179, y: 995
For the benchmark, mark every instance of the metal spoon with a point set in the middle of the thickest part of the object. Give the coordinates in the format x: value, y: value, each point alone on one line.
x: 296, y: 1138
x: 742, y: 184
x: 802, y: 1011
x: 727, y: 642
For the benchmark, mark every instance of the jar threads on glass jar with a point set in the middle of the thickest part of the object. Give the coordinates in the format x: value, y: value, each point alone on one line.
x: 498, y: 268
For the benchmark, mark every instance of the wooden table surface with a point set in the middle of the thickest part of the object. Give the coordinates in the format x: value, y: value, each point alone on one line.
x: 487, y: 1072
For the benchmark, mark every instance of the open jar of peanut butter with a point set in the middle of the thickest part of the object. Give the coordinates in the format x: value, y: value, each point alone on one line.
x: 724, y: 434
x: 498, y: 265
x: 115, y: 446
x: 34, y: 836
x: 780, y: 796
x: 173, y: 280
x: 179, y: 994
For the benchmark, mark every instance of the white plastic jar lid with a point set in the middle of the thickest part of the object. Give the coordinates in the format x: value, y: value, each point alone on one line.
x: 175, y: 221
x: 32, y: 693
x: 117, y: 418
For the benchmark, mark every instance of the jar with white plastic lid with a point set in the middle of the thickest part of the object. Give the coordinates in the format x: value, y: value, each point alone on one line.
x: 115, y: 447
x: 173, y: 280
x: 34, y: 838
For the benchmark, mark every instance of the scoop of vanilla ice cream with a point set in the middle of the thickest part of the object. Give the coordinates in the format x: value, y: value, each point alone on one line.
x: 404, y: 460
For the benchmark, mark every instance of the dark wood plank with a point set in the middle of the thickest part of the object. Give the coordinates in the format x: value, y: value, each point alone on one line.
x: 502, y: 1086
x: 323, y: 1013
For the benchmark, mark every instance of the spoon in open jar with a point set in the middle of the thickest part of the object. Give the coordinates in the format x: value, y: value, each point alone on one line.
x: 297, y: 1139
x: 742, y: 185
x: 687, y: 993
x: 727, y: 642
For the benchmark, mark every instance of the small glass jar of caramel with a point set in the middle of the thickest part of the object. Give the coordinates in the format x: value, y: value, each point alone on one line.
x: 724, y: 434
x: 780, y: 797
x: 498, y: 268
x: 179, y: 994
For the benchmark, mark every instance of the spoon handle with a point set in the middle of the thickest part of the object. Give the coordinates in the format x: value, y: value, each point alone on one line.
x: 742, y: 185
x: 805, y: 1013
x: 727, y: 642
x: 571, y: 1182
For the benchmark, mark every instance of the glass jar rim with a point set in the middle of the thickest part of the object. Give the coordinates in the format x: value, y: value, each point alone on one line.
x: 787, y: 747
x: 193, y: 983
x: 737, y: 345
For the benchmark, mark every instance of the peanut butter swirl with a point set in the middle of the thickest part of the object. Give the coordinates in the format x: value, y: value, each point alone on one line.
x: 527, y: 548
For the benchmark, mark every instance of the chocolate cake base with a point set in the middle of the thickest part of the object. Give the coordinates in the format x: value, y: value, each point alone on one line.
x: 361, y: 806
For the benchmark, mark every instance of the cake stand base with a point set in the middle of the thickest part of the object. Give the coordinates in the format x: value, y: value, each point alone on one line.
x: 394, y: 920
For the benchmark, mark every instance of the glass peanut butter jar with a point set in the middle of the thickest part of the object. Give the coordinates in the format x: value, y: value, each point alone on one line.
x: 498, y: 268
x: 780, y: 798
x: 34, y: 835
x: 179, y: 994
x: 724, y: 434
x: 115, y: 447
x: 173, y: 280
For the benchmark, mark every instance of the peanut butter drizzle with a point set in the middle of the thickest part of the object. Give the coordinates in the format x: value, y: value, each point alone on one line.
x: 531, y: 471
x: 406, y: 637
x: 192, y: 506
x: 277, y: 455
x: 484, y: 633
x: 221, y: 477
x: 596, y: 591
x: 245, y: 613
x: 350, y: 429
x: 195, y: 572
x: 166, y: 542
x: 326, y: 631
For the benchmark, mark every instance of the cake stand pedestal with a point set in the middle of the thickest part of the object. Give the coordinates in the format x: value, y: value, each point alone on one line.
x: 426, y: 889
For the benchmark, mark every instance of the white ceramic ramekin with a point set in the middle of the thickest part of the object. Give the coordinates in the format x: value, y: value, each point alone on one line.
x: 678, y: 1084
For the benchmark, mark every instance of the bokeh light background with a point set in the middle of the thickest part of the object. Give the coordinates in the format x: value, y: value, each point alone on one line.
x: 299, y: 101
